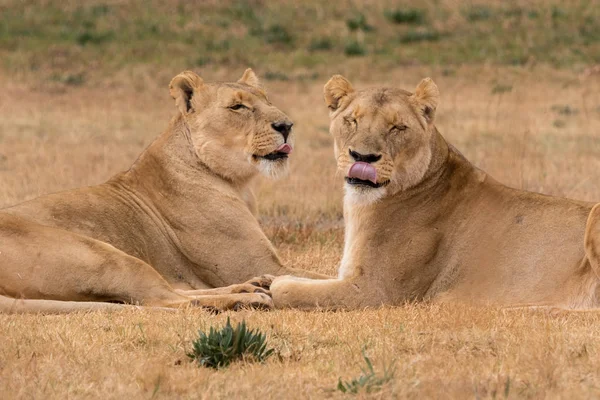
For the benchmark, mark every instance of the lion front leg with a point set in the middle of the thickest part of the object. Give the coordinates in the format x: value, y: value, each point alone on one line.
x: 329, y: 294
x: 259, y: 284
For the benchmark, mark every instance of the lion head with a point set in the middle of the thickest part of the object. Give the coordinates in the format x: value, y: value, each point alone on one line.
x: 383, y: 137
x: 233, y: 127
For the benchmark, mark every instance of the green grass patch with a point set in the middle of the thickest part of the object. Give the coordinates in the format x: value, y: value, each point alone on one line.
x: 354, y: 49
x: 500, y: 88
x: 221, y: 347
x: 358, y: 22
x: 478, y: 13
x: 56, y: 38
x: 414, y: 36
x: 321, y: 44
x: 413, y: 16
x: 278, y: 34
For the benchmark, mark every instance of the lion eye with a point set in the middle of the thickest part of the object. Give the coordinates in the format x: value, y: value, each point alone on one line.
x: 236, y: 107
x: 350, y: 121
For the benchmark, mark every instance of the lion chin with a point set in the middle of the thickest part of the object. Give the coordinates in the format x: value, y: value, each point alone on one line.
x: 273, y: 169
x: 362, y: 196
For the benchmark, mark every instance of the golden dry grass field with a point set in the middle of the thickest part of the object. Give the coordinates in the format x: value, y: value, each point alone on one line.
x: 531, y: 125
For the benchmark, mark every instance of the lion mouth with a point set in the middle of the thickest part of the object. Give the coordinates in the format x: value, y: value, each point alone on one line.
x: 363, y: 182
x: 364, y: 174
x: 276, y: 155
x: 282, y: 152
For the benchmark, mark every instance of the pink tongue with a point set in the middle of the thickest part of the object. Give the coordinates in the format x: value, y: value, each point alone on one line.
x: 364, y: 171
x: 285, y: 148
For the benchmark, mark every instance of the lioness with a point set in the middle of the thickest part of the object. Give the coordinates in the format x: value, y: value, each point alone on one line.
x: 179, y: 222
x: 422, y: 223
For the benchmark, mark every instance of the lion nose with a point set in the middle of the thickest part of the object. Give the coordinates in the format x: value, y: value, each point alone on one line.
x: 368, y: 158
x: 283, y: 127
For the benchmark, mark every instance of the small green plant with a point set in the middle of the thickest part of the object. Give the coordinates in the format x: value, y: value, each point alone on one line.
x: 92, y: 37
x: 358, y: 21
x: 408, y: 16
x: 354, y: 48
x: 70, y: 79
x: 320, y: 44
x: 369, y: 381
x: 478, y: 13
x: 221, y: 347
x: 218, y: 46
x: 414, y: 36
x: 564, y: 109
x: 500, y: 88
x: 202, y: 60
x: 276, y: 76
x: 278, y: 34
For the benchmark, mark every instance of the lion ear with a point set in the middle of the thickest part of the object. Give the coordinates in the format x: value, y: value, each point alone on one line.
x: 426, y: 98
x: 336, y: 90
x: 249, y: 78
x: 183, y: 88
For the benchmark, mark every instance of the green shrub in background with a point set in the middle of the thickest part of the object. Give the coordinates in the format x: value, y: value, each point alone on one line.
x: 354, y: 48
x: 406, y: 16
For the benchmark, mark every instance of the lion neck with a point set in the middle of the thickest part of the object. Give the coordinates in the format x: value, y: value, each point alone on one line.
x: 170, y: 172
x: 448, y: 171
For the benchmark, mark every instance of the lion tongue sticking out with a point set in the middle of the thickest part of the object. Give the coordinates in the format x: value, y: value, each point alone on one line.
x: 363, y: 171
x: 285, y: 148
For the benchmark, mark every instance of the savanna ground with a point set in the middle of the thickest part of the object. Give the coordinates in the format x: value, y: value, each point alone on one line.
x: 84, y: 90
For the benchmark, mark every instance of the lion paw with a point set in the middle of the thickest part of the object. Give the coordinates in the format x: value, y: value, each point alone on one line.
x: 249, y: 288
x: 263, y: 281
x: 257, y: 301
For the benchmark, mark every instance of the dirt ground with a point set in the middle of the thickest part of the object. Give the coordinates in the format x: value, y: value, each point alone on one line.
x: 533, y: 128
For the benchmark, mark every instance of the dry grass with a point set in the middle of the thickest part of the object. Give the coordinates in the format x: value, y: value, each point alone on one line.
x: 530, y: 127
x: 439, y: 352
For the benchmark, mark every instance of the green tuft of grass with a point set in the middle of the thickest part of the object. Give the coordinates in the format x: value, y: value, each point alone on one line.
x: 202, y: 60
x: 559, y: 123
x: 276, y: 76
x: 219, y: 348
x: 321, y: 44
x: 218, y: 46
x: 353, y: 49
x: 278, y: 34
x: 413, y: 16
x: 93, y: 37
x: 69, y: 79
x: 358, y: 22
x: 478, y: 13
x: 500, y: 88
x: 368, y: 381
x: 558, y: 13
x: 564, y: 109
x: 415, y: 36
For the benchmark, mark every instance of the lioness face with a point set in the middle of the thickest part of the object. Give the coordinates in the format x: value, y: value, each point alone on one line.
x: 382, y: 136
x: 234, y: 128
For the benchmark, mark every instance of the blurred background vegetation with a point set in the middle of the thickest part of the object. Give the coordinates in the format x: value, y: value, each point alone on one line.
x: 77, y: 42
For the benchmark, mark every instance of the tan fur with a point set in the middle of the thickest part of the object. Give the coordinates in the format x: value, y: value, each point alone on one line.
x: 440, y: 229
x: 171, y: 231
